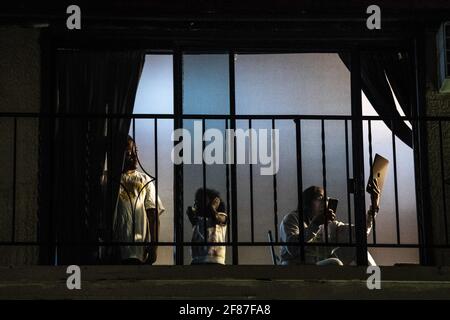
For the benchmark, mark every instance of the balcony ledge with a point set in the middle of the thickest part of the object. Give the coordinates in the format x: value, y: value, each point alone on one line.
x: 224, y: 282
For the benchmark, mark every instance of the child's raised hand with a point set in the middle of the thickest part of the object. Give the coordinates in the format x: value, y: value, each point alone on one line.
x: 215, y: 203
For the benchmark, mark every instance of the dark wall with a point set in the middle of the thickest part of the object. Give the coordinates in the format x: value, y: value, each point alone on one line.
x: 19, y: 92
x: 438, y: 104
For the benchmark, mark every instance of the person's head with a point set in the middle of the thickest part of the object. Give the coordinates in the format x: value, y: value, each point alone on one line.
x: 206, y: 199
x: 130, y: 155
x: 313, y: 201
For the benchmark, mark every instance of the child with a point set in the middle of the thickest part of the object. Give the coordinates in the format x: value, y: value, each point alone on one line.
x: 208, y: 209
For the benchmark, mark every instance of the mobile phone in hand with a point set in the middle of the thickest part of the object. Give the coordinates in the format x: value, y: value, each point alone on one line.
x: 332, y: 204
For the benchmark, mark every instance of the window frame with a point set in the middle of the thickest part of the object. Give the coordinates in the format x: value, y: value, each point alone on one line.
x: 264, y: 44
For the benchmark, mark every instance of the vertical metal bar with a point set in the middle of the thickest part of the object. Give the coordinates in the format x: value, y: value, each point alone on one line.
x: 301, y: 218
x: 420, y: 149
x: 234, y: 214
x: 347, y: 170
x: 178, y: 168
x: 46, y: 131
x: 358, y: 159
x: 275, y: 196
x: 156, y: 178
x: 47, y: 128
x: 444, y: 201
x: 272, y: 249
x: 46, y: 192
x: 110, y: 186
x: 53, y: 232
x: 227, y: 181
x: 133, y: 210
x: 85, y: 221
x: 13, y: 233
x: 369, y: 129
x: 394, y: 152
x: 205, y: 204
x: 104, y: 227
x: 252, y: 221
x: 70, y: 222
x: 61, y: 220
x: 324, y: 177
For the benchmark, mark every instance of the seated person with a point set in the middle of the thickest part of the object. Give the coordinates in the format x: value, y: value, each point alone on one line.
x: 208, y: 209
x: 314, y: 222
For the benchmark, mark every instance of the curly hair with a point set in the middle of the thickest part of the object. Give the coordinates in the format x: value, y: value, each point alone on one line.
x: 210, y: 194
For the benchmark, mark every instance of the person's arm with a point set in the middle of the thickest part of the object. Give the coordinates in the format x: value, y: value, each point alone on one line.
x: 316, y: 222
x: 219, y: 217
x: 342, y: 229
x: 290, y: 231
x: 374, y: 191
x: 371, y: 214
x: 192, y: 215
x: 311, y: 231
x: 153, y: 219
x: 370, y: 218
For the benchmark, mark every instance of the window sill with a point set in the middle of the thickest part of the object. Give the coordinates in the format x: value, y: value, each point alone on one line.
x: 228, y: 282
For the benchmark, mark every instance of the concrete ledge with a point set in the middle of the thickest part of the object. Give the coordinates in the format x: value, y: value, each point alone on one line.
x: 228, y: 282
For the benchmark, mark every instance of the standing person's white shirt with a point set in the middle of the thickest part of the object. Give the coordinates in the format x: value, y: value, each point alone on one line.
x: 136, y: 195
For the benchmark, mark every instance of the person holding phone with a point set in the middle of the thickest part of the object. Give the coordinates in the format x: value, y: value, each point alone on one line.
x: 319, y: 213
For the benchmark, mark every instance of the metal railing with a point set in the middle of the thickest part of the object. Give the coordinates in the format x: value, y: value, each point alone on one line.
x: 231, y: 182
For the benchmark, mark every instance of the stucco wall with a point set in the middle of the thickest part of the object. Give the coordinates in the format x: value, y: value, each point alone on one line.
x: 19, y: 92
x: 438, y: 104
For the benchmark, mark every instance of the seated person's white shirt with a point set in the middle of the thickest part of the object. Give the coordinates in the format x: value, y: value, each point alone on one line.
x: 347, y: 254
x: 338, y: 232
x: 136, y: 195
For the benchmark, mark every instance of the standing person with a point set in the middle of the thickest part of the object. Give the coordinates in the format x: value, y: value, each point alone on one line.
x: 315, y: 221
x: 208, y: 209
x: 135, y: 218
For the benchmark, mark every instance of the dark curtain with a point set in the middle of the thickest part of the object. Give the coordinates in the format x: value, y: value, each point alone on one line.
x: 397, y: 66
x: 90, y: 83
